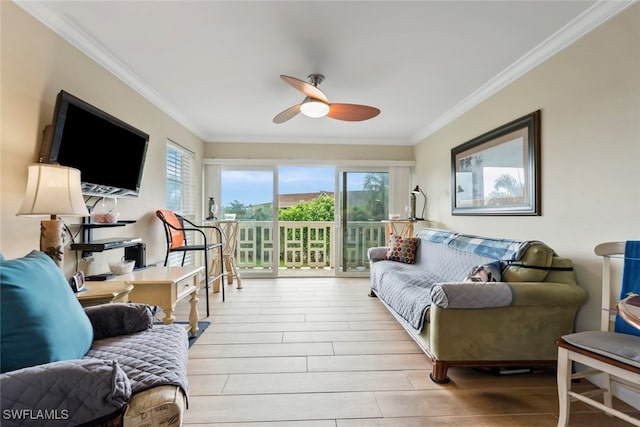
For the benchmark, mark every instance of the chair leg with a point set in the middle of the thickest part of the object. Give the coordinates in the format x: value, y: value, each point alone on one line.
x: 564, y: 385
x: 214, y: 267
x: 606, y: 386
x: 206, y: 280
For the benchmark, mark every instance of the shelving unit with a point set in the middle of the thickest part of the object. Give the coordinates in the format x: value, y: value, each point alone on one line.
x: 89, y: 245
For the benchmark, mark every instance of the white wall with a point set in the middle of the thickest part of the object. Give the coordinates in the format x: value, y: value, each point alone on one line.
x: 589, y: 95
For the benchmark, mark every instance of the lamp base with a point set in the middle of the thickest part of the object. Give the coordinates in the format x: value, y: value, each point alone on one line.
x: 52, y: 239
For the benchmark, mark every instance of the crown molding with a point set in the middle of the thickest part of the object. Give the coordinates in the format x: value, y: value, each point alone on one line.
x: 571, y: 32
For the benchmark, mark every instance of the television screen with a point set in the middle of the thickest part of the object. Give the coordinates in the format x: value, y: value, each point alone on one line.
x: 109, y: 153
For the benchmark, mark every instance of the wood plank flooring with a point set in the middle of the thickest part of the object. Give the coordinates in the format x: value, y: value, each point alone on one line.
x: 318, y: 352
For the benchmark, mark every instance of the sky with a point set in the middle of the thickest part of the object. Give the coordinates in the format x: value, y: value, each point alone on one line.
x: 256, y: 187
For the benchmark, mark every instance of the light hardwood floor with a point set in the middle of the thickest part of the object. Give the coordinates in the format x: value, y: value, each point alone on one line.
x: 318, y: 352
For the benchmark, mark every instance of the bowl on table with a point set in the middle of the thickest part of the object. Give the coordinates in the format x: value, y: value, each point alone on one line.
x: 122, y: 267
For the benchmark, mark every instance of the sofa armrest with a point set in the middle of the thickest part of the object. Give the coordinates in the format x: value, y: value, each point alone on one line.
x: 110, y: 320
x: 548, y: 294
x: 472, y: 294
x: 74, y: 391
x: 377, y: 253
x: 502, y: 294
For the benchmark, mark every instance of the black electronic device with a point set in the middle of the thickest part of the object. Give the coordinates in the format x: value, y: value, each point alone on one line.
x: 137, y: 253
x: 109, y: 153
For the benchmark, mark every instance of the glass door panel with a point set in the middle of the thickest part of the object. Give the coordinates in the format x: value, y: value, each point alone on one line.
x: 306, y: 220
x: 249, y: 195
x: 363, y: 201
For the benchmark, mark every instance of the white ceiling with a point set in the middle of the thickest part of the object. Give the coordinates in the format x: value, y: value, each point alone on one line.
x: 214, y: 65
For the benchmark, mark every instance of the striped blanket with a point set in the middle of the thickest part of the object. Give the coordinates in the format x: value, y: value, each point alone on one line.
x: 504, y: 249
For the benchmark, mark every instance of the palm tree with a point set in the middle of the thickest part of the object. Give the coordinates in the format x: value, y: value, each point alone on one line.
x: 376, y: 186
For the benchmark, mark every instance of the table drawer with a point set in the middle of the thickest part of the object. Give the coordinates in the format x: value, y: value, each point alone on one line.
x: 185, y: 287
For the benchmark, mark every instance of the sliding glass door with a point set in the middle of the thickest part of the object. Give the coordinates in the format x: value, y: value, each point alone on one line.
x: 304, y: 221
x: 248, y: 194
x: 363, y: 201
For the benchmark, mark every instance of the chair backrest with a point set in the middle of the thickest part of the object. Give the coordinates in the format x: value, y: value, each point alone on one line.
x: 608, y: 251
x: 173, y: 228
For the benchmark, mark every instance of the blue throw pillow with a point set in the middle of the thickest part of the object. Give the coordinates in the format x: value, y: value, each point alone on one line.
x: 41, y: 320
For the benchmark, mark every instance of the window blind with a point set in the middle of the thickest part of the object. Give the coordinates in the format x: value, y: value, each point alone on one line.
x: 180, y: 191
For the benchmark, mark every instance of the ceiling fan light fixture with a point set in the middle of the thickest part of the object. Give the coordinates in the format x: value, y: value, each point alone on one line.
x: 314, y: 108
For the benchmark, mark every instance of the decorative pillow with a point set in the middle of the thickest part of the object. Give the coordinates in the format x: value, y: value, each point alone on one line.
x: 485, y: 273
x: 42, y: 320
x: 402, y: 249
x: 110, y: 320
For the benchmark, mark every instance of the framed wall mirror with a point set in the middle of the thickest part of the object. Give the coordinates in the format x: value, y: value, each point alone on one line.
x: 498, y: 173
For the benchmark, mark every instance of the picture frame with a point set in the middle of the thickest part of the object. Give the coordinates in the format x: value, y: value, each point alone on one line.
x: 498, y: 173
x: 77, y: 282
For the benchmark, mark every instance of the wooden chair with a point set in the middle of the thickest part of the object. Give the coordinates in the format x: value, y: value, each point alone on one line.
x: 176, y: 228
x: 612, y: 355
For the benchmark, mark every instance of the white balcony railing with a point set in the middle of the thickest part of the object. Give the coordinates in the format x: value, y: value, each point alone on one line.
x: 308, y: 244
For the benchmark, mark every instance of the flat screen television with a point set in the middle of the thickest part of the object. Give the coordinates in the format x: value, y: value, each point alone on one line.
x: 109, y: 153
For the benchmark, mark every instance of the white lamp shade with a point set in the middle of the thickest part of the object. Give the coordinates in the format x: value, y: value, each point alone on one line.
x: 53, y: 190
x: 314, y: 108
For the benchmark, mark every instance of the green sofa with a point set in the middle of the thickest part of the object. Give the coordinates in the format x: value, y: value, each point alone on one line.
x: 439, y: 296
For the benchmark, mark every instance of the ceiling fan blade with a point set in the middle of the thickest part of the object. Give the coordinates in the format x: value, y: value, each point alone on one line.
x: 307, y: 88
x: 352, y: 112
x: 287, y: 114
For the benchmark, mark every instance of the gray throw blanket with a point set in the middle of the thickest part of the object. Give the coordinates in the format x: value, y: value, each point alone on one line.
x: 157, y: 356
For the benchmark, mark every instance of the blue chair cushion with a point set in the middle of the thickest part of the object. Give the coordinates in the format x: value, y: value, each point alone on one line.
x: 42, y: 320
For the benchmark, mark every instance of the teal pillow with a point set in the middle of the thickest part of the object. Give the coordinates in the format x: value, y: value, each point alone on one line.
x: 41, y: 320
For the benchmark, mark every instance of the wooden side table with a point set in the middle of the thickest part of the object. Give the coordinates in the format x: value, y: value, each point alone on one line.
x: 400, y: 227
x: 104, y: 293
x: 629, y: 310
x: 229, y: 230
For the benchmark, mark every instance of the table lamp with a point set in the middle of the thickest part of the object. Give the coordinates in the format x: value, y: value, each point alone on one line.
x: 415, y: 191
x: 53, y: 191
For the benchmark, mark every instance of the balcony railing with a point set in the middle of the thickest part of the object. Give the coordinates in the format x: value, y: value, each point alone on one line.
x: 309, y: 244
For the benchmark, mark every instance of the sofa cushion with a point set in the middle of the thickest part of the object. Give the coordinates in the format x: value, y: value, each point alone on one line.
x: 402, y: 249
x: 42, y: 320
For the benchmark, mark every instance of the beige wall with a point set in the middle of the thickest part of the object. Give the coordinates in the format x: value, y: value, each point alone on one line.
x: 36, y: 65
x: 589, y: 95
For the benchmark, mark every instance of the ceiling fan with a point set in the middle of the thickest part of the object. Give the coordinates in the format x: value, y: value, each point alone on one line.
x: 316, y: 103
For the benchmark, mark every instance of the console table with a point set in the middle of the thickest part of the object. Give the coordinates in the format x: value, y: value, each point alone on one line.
x: 164, y: 287
x: 104, y: 293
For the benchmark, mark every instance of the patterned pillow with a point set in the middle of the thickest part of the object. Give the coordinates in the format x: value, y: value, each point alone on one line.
x: 402, y: 249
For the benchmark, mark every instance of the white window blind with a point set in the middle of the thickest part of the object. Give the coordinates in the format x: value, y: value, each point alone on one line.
x: 180, y: 191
